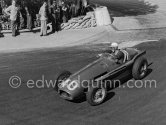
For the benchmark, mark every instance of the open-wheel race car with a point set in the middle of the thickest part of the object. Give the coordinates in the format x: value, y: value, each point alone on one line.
x: 89, y: 80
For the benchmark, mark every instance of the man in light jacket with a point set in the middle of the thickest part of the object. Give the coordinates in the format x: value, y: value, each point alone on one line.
x: 13, y: 11
x: 43, y: 18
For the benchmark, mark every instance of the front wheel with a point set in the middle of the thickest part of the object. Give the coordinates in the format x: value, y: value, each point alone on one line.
x: 62, y: 77
x: 96, y: 96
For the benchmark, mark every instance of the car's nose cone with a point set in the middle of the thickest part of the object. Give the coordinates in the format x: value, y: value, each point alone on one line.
x: 71, y: 94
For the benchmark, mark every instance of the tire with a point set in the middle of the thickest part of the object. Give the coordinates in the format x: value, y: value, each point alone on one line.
x: 63, y: 76
x: 140, y: 68
x: 92, y: 92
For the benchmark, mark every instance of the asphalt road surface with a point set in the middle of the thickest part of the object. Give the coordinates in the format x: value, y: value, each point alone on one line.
x: 34, y: 106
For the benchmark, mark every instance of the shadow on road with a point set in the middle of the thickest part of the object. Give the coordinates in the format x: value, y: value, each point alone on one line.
x: 110, y: 95
x: 149, y: 72
x: 127, y: 7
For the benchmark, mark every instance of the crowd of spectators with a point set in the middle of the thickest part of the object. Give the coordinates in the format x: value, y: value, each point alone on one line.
x: 28, y: 15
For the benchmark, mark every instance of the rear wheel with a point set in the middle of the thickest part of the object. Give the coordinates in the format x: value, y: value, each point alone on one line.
x: 62, y: 77
x: 96, y: 96
x: 140, y: 68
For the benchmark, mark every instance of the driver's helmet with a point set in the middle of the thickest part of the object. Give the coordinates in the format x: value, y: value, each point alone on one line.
x: 114, y: 46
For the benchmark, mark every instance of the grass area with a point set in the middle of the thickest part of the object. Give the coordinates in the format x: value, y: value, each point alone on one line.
x: 127, y: 7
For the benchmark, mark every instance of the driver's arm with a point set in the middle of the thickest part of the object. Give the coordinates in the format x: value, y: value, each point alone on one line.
x: 108, y: 51
x: 119, y: 57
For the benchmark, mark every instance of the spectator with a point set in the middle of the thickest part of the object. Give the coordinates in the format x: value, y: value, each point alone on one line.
x: 83, y: 7
x: 34, y: 9
x: 29, y: 17
x: 61, y: 15
x: 68, y: 10
x: 78, y: 7
x: 58, y: 12
x: 23, y: 19
x: 1, y: 35
x: 73, y: 10
x: 53, y: 8
x: 65, y: 13
x: 43, y: 18
x: 14, y: 12
x: 0, y: 10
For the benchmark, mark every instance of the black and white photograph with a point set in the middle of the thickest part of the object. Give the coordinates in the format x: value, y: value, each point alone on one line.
x: 82, y: 62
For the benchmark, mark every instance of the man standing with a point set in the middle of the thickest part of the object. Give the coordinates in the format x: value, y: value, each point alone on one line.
x: 0, y: 10
x: 14, y: 12
x: 43, y: 17
x: 58, y: 15
x: 29, y: 17
x: 83, y: 8
x: 73, y: 10
x: 53, y: 8
x: 65, y: 13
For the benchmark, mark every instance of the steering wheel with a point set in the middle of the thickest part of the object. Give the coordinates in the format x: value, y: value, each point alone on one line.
x: 107, y: 55
x: 112, y: 56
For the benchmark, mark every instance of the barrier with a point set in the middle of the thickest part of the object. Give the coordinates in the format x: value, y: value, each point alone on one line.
x: 102, y: 16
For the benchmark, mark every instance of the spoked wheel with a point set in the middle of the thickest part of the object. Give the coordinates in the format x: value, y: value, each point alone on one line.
x: 99, y: 95
x: 61, y: 78
x: 143, y: 69
x: 96, y: 96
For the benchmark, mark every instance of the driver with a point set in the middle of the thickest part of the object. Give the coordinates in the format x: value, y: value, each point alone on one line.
x: 119, y: 54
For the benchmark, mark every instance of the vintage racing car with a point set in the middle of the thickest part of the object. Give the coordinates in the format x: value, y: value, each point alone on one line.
x: 73, y: 86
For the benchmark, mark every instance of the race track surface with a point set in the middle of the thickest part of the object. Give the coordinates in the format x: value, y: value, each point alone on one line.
x: 124, y: 106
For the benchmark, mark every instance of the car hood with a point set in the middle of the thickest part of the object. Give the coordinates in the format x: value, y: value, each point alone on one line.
x: 91, y: 71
